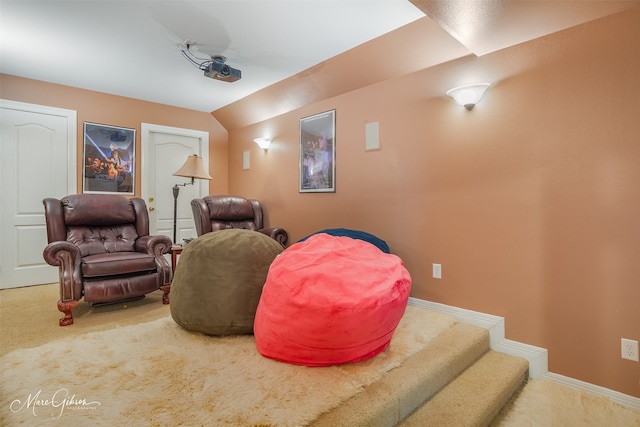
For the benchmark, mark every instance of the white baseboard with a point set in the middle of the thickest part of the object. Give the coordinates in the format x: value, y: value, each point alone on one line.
x: 536, y: 356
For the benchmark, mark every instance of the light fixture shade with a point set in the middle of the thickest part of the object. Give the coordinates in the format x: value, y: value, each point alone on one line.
x: 193, y: 168
x: 263, y: 143
x: 468, y: 95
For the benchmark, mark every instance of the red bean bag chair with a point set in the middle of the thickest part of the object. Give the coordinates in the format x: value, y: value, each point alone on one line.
x: 330, y: 300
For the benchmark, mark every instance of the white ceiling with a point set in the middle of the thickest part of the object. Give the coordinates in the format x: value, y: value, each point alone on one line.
x: 131, y: 48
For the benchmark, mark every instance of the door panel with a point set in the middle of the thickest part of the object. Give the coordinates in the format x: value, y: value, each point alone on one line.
x: 37, y: 160
x: 165, y: 150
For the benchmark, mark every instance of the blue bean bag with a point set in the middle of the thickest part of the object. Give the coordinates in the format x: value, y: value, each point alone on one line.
x: 354, y: 234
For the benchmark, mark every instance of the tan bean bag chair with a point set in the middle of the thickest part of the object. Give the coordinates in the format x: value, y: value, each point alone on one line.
x: 218, y: 281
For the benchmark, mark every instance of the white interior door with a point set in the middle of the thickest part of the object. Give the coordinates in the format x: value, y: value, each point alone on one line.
x: 37, y: 160
x: 164, y: 151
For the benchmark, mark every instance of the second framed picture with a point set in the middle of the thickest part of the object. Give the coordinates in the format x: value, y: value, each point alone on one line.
x: 318, y: 153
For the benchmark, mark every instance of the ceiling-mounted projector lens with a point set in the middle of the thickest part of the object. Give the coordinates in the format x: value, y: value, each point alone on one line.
x: 218, y: 71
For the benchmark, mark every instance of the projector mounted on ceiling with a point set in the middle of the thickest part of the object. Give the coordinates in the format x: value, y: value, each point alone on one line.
x: 217, y: 69
x: 214, y: 68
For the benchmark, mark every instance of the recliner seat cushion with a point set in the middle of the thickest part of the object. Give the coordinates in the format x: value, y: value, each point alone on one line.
x: 219, y: 279
x: 116, y: 263
x: 330, y: 300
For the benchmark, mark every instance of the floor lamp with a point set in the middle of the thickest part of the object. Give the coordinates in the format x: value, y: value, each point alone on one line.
x: 193, y: 168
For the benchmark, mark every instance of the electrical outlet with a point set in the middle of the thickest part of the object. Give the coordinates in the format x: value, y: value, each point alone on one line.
x: 630, y: 349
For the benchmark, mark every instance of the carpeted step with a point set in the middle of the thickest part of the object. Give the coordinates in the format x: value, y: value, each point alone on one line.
x: 476, y: 396
x: 389, y: 400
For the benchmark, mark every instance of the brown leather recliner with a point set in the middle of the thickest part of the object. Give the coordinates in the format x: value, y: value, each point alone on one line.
x: 103, y: 249
x: 220, y: 212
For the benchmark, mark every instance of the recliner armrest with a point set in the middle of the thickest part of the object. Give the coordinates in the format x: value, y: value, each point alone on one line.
x: 157, y: 246
x: 277, y: 234
x: 61, y: 252
x: 67, y: 255
x: 153, y: 245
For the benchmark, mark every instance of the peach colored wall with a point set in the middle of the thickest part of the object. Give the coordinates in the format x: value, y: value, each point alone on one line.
x: 113, y: 110
x: 531, y: 202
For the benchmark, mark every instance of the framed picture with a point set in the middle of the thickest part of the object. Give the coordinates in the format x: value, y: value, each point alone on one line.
x: 109, y: 159
x: 318, y: 153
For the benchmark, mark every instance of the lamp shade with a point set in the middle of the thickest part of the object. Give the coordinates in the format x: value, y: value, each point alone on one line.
x: 193, y: 168
x: 263, y: 143
x: 468, y: 95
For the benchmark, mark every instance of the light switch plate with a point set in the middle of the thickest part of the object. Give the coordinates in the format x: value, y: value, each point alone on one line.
x: 437, y: 271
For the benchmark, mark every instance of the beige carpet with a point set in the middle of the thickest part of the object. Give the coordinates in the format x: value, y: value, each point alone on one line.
x: 543, y: 403
x: 29, y: 318
x: 157, y: 373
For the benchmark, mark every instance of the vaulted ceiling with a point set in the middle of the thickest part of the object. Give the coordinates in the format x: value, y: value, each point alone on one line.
x: 290, y: 53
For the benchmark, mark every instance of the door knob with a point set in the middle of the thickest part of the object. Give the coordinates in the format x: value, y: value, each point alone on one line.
x: 151, y: 209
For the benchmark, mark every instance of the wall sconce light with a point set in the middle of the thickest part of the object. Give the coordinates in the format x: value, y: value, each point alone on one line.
x: 468, y: 95
x: 193, y: 168
x: 263, y: 143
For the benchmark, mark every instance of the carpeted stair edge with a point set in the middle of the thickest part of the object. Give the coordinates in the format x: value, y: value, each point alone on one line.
x: 389, y: 400
x: 476, y: 396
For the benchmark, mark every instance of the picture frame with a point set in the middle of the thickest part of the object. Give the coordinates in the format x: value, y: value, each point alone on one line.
x: 109, y: 159
x: 317, y: 171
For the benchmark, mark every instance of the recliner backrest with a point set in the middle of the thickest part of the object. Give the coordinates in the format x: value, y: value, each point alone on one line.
x: 102, y: 240
x: 97, y: 223
x: 233, y: 212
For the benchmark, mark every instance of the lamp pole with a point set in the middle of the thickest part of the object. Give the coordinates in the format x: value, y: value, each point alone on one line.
x: 176, y: 191
x: 193, y: 168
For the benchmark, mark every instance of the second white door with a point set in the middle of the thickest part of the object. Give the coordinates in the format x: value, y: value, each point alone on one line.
x: 165, y: 149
